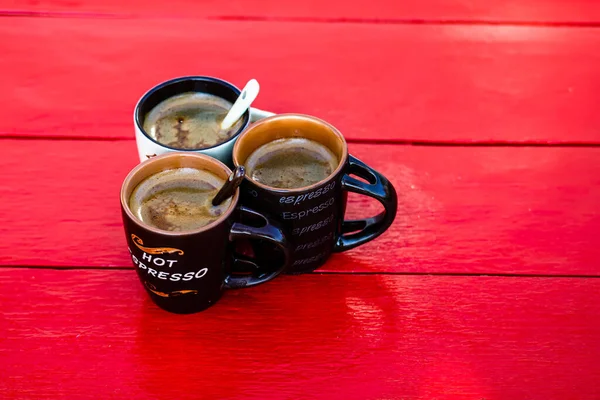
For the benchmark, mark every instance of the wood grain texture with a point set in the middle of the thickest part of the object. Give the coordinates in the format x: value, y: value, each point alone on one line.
x: 536, y: 11
x: 95, y: 334
x: 82, y: 77
x: 464, y: 210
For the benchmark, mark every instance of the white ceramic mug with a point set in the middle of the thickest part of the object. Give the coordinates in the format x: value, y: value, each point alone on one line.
x: 149, y: 147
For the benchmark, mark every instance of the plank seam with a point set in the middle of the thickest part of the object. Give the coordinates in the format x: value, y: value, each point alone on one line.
x: 461, y: 274
x: 398, y: 142
x: 60, y: 14
x: 74, y: 138
x: 364, y: 273
x: 312, y: 20
x: 410, y: 21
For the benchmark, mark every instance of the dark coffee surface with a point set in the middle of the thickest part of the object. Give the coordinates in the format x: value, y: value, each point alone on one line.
x: 178, y: 199
x: 190, y: 121
x: 291, y: 163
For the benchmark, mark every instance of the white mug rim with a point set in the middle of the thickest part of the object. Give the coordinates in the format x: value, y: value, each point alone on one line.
x: 136, y: 119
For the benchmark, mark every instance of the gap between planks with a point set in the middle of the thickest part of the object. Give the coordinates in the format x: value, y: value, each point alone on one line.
x: 311, y: 20
x: 399, y: 142
x: 363, y: 273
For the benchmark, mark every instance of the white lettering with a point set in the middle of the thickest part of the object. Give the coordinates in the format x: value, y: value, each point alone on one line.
x: 162, y: 262
x: 301, y: 197
x: 171, y: 262
x: 313, y: 227
x: 163, y: 275
x: 201, y: 273
x: 178, y: 277
x: 302, y: 214
x: 309, y: 260
x: 316, y: 243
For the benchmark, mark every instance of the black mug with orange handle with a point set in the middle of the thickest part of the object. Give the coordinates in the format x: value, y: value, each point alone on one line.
x: 313, y: 216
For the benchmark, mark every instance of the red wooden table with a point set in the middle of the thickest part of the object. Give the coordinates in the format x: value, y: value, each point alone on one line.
x: 484, y: 115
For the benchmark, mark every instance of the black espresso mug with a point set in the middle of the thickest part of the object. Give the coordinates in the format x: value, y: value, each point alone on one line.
x: 187, y: 271
x: 314, y: 215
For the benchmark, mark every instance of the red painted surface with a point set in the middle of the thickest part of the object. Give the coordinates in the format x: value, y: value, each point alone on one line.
x: 397, y: 83
x: 94, y: 334
x: 548, y: 11
x: 484, y: 210
x: 386, y: 333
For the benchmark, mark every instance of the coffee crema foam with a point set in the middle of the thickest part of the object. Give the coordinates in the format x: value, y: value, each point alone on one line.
x: 178, y: 199
x: 291, y: 163
x: 190, y: 121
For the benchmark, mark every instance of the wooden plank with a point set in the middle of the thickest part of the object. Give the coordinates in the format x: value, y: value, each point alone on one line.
x: 82, y: 77
x: 536, y: 11
x: 72, y: 334
x: 463, y: 210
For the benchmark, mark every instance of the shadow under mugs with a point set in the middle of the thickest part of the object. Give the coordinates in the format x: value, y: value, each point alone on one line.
x: 314, y: 215
x: 149, y: 147
x: 185, y: 272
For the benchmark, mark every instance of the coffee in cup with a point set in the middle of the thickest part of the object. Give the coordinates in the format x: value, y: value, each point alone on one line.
x: 184, y: 114
x: 178, y: 199
x: 291, y: 163
x: 190, y: 121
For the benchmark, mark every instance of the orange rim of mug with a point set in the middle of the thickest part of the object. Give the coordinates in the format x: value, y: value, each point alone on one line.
x: 272, y: 128
x: 168, y: 161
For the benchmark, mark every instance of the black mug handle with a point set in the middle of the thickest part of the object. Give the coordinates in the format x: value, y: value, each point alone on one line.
x: 269, y: 232
x: 378, y: 187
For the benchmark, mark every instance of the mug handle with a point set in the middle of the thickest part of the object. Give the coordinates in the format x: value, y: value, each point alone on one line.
x: 257, y: 114
x: 356, y: 232
x: 269, y: 232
